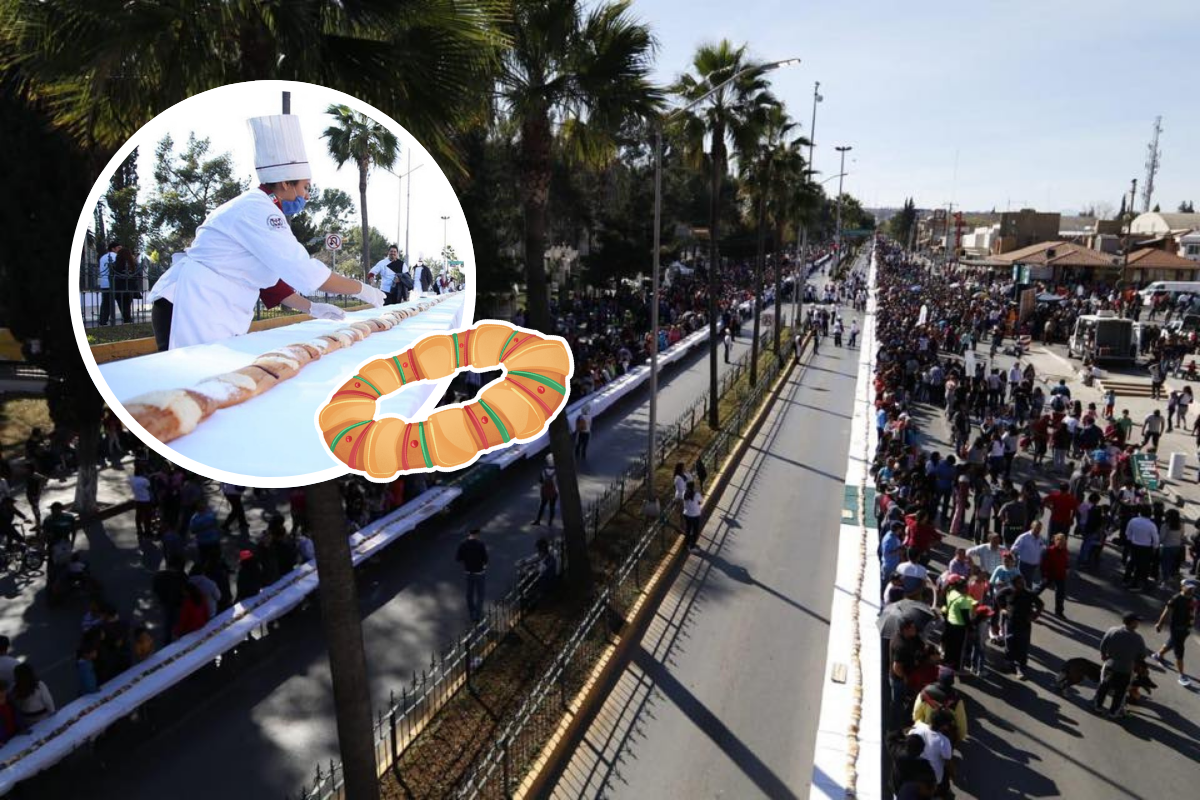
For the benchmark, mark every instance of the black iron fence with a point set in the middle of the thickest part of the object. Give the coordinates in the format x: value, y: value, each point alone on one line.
x: 520, y: 742
x: 517, y: 746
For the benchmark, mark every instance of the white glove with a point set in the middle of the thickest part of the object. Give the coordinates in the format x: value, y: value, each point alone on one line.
x: 326, y: 311
x: 371, y: 295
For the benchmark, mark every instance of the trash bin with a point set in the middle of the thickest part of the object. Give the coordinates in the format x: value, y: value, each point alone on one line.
x: 1175, y: 470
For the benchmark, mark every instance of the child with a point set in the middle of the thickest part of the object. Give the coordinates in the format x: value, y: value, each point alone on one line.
x: 975, y: 649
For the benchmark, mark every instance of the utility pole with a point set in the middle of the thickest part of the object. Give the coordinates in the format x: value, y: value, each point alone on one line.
x: 1128, y: 233
x: 843, y: 150
x: 445, y: 259
x: 1153, y: 154
x: 802, y: 235
x: 408, y: 211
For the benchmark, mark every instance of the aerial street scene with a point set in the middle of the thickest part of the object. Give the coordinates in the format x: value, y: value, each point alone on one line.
x: 599, y: 400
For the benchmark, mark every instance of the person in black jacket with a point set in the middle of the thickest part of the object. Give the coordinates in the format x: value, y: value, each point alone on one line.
x: 473, y: 555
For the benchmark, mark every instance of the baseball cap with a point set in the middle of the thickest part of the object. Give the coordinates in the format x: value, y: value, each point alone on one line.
x: 1131, y: 617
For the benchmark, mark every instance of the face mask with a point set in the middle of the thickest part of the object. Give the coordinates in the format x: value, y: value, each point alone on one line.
x: 292, y: 207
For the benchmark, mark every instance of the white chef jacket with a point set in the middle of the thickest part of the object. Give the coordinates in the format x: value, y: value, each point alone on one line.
x: 244, y: 245
x: 106, y: 262
x: 386, y: 276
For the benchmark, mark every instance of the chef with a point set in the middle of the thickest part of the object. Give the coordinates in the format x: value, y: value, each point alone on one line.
x: 246, y: 245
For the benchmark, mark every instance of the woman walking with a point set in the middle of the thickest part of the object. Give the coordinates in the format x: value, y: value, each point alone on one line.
x: 693, y: 505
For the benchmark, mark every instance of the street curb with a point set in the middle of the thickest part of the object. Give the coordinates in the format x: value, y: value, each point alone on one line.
x: 586, y: 704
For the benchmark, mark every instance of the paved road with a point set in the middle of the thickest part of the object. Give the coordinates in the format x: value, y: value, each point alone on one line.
x: 262, y: 735
x: 722, y: 696
x: 1029, y: 741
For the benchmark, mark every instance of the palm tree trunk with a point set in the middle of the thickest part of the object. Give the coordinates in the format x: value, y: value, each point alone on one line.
x: 342, y: 624
x: 363, y: 166
x: 535, y: 190
x: 758, y: 281
x: 718, y: 164
x: 779, y: 285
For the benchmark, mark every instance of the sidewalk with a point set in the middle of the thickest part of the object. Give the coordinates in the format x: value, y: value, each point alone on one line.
x: 1025, y: 740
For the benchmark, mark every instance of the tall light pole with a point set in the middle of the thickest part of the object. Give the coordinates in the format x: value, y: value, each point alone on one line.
x: 843, y: 150
x: 651, y: 508
x: 445, y: 261
x: 406, y: 206
x: 802, y: 235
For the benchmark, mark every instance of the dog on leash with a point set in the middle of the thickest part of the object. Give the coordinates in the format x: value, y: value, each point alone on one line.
x: 1076, y: 670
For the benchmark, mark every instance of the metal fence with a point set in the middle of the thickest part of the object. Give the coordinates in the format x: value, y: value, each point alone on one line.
x: 449, y: 671
x: 503, y: 767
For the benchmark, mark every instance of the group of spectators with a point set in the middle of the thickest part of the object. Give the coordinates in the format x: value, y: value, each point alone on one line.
x: 1001, y: 542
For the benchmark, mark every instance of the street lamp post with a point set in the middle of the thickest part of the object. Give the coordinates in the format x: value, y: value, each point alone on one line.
x: 445, y: 260
x: 802, y: 235
x: 651, y: 509
x: 843, y: 150
x: 407, y: 205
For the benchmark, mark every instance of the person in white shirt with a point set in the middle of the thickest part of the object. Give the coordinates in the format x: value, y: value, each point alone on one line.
x: 728, y: 341
x: 989, y: 555
x: 246, y: 244
x: 938, y: 747
x: 143, y: 501
x: 693, y: 507
x: 106, y: 294
x: 583, y: 431
x: 1142, y: 535
x: 387, y: 278
x: 1029, y: 548
x: 30, y: 695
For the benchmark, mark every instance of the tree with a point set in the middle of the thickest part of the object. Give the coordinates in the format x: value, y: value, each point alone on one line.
x: 727, y: 117
x: 576, y: 74
x: 122, y: 202
x: 1186, y: 207
x: 359, y: 139
x: 1157, y: 208
x: 902, y: 223
x: 341, y: 621
x: 188, y: 187
x: 1121, y: 213
x: 111, y: 66
x: 786, y: 205
x: 772, y: 127
x: 1103, y: 209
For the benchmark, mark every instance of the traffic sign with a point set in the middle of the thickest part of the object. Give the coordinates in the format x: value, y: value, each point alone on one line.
x: 333, y: 241
x: 1145, y: 470
x: 454, y: 263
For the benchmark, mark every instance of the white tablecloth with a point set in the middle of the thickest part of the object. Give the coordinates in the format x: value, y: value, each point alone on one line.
x: 274, y: 435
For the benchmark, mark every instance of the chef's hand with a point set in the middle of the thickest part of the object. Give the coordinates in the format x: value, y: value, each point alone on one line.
x: 369, y: 294
x: 326, y: 311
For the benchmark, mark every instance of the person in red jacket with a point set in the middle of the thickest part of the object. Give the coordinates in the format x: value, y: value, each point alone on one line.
x: 920, y: 534
x: 1062, y: 505
x: 1055, y: 563
x: 193, y: 614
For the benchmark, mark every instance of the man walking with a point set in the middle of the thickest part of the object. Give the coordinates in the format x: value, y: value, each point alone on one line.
x: 1120, y: 649
x: 728, y: 344
x: 1029, y: 548
x: 1021, y: 608
x: 1178, y: 614
x: 1152, y: 428
x: 472, y: 554
x: 237, y: 512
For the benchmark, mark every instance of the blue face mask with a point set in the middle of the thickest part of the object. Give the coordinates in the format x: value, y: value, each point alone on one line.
x: 293, y: 207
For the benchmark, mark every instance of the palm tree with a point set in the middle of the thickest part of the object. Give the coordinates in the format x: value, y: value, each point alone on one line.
x: 727, y: 118
x: 786, y: 197
x: 574, y: 77
x: 341, y: 621
x: 358, y: 138
x: 772, y: 125
x: 106, y: 67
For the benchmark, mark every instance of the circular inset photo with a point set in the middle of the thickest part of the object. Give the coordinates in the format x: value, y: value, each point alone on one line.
x: 243, y: 254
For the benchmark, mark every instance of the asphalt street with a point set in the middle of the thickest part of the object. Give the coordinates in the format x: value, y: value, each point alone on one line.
x: 721, y: 698
x: 270, y: 728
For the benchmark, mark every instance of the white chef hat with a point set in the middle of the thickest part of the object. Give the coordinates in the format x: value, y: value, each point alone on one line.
x: 279, y: 149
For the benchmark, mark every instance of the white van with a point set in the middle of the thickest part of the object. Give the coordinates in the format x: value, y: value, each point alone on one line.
x: 1173, y: 288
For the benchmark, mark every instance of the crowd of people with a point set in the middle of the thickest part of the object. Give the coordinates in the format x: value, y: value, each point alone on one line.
x: 974, y: 539
x: 198, y: 531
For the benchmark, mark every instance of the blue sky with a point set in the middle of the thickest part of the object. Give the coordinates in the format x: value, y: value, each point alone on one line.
x: 1047, y: 104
